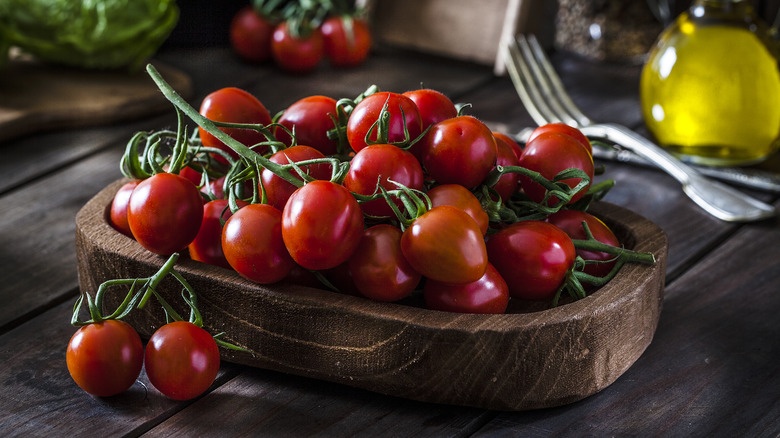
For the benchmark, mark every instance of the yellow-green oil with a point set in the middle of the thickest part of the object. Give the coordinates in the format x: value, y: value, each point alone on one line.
x: 710, y: 91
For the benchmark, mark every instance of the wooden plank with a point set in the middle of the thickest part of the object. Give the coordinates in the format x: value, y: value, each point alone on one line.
x: 39, y: 398
x: 266, y: 403
x: 712, y: 367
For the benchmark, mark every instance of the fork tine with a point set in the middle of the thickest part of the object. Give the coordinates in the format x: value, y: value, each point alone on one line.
x: 522, y: 78
x: 570, y: 114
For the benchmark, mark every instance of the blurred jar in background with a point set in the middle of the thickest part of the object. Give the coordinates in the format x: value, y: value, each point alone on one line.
x: 607, y: 30
x: 710, y: 90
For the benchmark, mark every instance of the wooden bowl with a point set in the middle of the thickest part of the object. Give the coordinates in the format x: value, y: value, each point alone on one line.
x: 514, y: 361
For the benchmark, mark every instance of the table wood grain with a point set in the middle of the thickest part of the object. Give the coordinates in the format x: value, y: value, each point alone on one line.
x: 711, y: 369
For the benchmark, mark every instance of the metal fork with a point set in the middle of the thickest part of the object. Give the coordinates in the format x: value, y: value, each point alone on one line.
x: 543, y: 95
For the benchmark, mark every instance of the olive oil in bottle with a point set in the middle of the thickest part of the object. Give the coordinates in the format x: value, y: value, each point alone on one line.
x: 710, y: 89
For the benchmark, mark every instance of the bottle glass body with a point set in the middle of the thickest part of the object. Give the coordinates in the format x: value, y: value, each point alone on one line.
x: 710, y: 89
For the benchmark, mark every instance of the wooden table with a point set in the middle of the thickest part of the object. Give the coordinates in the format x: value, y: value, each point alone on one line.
x: 711, y: 369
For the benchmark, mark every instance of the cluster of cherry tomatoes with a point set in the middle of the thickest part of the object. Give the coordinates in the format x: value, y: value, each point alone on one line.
x: 299, y: 46
x: 379, y: 196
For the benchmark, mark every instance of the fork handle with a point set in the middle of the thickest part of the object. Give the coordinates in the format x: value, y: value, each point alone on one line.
x: 720, y: 200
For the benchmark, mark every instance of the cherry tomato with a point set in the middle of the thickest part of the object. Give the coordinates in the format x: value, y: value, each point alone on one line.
x: 215, y: 188
x: 511, y: 142
x: 118, y: 212
x: 533, y: 257
x: 347, y: 40
x: 105, y: 358
x: 461, y: 150
x: 182, y: 360
x: 296, y: 54
x: 376, y: 164
x: 191, y: 174
x: 489, y: 294
x: 250, y: 35
x: 233, y: 105
x: 278, y: 190
x: 458, y: 196
x: 207, y: 246
x: 164, y: 213
x: 403, y: 115
x: 311, y: 118
x: 549, y: 154
x: 378, y: 267
x: 563, y: 129
x: 570, y: 221
x: 321, y: 225
x: 253, y: 245
x: 433, y: 105
x: 445, y: 244
x: 505, y: 156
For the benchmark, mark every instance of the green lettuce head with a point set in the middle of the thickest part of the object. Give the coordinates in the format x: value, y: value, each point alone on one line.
x: 96, y: 34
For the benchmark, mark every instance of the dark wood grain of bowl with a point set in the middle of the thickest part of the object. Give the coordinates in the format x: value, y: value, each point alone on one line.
x: 514, y: 361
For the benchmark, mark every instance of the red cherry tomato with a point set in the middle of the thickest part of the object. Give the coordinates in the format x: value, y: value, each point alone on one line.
x: 379, y: 269
x: 563, y: 129
x: 250, y: 35
x: 570, y: 221
x: 118, y: 212
x: 253, y: 245
x: 458, y: 196
x: 550, y: 154
x: 489, y: 294
x: 182, y: 360
x: 164, y: 213
x: 105, y: 358
x: 533, y: 257
x: 233, y: 105
x: 296, y: 54
x: 403, y: 115
x: 376, y: 164
x: 207, y: 246
x: 433, y: 105
x: 461, y: 150
x: 321, y: 225
x: 511, y: 142
x: 347, y: 40
x: 445, y: 244
x: 505, y: 156
x: 279, y: 190
x: 311, y: 118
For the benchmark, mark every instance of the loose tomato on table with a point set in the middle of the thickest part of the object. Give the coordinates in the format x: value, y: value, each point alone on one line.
x: 105, y: 358
x: 378, y: 267
x: 445, y: 244
x: 489, y: 294
x: 376, y: 164
x: 570, y: 221
x: 164, y: 213
x: 253, y: 246
x: 250, y: 35
x: 310, y: 118
x: 181, y: 360
x: 458, y: 196
x: 279, y: 190
x: 234, y: 105
x: 533, y: 257
x: 296, y: 51
x: 404, y: 123
x: 118, y: 211
x: 347, y: 40
x: 460, y: 150
x: 549, y: 154
x: 322, y: 224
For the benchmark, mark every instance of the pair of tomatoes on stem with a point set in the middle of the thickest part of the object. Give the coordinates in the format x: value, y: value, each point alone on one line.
x: 298, y: 47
